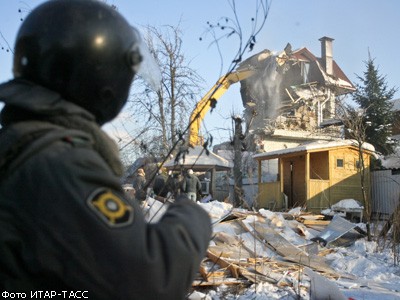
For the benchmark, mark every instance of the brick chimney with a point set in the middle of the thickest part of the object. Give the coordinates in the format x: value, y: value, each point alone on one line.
x: 327, y: 54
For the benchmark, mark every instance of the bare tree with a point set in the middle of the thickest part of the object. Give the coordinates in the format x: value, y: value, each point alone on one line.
x: 165, y: 112
x: 356, y: 128
x: 228, y: 27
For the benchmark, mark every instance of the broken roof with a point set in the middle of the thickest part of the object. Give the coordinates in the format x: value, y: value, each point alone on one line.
x: 339, y: 79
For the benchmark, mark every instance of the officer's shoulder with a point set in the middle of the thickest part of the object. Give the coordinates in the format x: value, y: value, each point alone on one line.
x: 73, y: 137
x: 77, y: 140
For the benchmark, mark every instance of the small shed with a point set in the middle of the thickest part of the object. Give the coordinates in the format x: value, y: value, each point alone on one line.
x: 315, y: 175
x: 199, y: 160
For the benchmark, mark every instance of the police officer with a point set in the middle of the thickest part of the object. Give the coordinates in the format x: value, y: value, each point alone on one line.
x: 65, y: 223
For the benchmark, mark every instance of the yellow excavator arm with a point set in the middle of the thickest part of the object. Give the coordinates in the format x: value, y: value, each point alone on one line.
x: 222, y: 85
x: 204, y: 105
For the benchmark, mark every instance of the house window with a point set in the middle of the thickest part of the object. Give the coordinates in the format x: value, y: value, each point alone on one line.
x: 339, y: 163
x: 358, y: 164
x: 305, y: 70
x: 269, y: 170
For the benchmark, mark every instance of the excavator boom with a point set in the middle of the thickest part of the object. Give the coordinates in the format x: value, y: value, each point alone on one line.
x: 204, y: 105
x: 222, y: 85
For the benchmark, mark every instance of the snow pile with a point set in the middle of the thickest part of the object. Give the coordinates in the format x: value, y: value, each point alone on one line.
x: 377, y: 276
x: 217, y: 210
x: 342, y: 206
x: 347, y: 204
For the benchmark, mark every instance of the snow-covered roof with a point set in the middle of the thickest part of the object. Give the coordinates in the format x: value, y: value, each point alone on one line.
x: 318, y: 145
x: 391, y: 161
x: 197, y: 158
x: 396, y: 104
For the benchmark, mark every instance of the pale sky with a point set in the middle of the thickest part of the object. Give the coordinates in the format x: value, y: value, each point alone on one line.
x: 357, y: 26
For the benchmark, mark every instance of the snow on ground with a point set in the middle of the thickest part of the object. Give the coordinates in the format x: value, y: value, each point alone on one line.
x: 376, y: 277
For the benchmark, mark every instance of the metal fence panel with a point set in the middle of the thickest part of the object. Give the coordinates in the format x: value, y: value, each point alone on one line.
x: 385, y: 191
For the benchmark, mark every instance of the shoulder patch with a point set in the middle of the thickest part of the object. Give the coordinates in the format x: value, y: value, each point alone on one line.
x: 111, y: 208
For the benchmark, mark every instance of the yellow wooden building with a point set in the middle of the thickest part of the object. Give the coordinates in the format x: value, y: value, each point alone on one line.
x: 313, y: 175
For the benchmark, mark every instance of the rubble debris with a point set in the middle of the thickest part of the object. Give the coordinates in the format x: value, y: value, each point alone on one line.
x: 250, y: 247
x: 338, y: 228
x: 292, y: 253
x: 322, y: 288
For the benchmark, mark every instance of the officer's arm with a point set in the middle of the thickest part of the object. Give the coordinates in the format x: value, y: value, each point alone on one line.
x: 112, y: 249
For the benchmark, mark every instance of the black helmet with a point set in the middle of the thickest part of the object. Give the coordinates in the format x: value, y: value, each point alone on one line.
x: 83, y: 49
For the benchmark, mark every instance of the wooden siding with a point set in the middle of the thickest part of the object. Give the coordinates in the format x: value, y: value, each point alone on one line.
x: 345, y: 181
x: 319, y: 194
x: 270, y: 196
x: 319, y: 165
x: 322, y: 184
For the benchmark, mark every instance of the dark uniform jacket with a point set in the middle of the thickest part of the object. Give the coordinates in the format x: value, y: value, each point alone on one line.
x: 65, y: 224
x: 160, y: 186
x: 191, y: 184
x: 139, y: 182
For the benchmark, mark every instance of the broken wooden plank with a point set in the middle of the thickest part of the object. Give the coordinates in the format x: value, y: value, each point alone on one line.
x: 311, y: 217
x: 209, y: 274
x: 254, y: 276
x: 316, y: 222
x: 233, y: 253
x: 218, y: 259
x: 217, y: 282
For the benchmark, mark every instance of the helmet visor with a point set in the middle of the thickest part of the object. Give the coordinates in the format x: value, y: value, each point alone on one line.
x: 143, y: 62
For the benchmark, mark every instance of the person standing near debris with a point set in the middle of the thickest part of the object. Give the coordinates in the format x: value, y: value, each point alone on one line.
x: 139, y: 183
x: 191, y: 185
x: 160, y: 187
x: 71, y: 227
x: 129, y: 191
x: 174, y: 183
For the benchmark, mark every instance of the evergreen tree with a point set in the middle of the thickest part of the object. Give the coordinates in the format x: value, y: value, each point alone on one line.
x: 374, y: 96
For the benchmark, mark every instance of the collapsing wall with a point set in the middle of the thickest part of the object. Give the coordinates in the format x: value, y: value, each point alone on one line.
x: 263, y: 90
x: 298, y: 96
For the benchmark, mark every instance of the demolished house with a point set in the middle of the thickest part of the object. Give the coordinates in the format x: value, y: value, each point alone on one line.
x: 286, y: 107
x: 290, y: 111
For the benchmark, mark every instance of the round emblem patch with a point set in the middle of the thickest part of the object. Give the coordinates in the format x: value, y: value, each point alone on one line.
x: 111, y: 208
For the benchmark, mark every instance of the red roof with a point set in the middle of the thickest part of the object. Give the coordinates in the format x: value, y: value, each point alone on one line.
x: 339, y: 77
